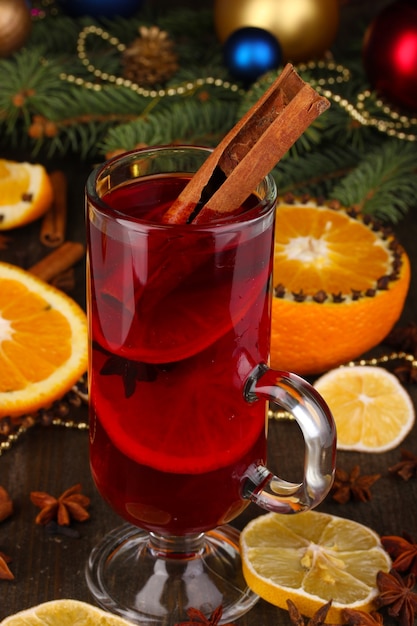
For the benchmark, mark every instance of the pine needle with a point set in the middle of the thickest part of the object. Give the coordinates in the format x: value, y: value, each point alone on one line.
x: 384, y: 184
x: 337, y: 157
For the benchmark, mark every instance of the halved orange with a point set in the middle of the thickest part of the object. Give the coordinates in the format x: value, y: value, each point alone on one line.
x: 25, y: 193
x: 340, y: 282
x: 43, y: 342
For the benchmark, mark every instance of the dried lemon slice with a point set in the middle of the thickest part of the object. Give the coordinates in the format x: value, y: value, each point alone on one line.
x: 311, y: 558
x: 372, y: 410
x: 64, y: 612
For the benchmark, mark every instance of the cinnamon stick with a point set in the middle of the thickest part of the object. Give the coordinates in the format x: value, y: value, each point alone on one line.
x: 58, y: 261
x: 250, y: 150
x: 65, y: 281
x: 52, y: 233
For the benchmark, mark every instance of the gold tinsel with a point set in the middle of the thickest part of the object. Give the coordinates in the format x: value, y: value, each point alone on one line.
x: 151, y: 58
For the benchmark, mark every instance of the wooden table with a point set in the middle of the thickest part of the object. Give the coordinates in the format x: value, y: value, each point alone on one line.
x: 53, y: 458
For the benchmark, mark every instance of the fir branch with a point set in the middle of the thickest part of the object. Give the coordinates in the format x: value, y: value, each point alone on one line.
x: 384, y: 184
x: 56, y: 34
x: 27, y: 86
x: 186, y: 121
x: 337, y: 157
x: 314, y: 173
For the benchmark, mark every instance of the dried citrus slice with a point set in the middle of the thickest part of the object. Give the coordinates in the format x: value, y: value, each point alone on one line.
x: 372, y: 410
x: 340, y: 282
x: 43, y: 342
x: 311, y: 558
x: 25, y: 193
x: 64, y: 612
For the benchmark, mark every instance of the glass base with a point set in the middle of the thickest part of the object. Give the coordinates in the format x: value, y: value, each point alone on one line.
x: 153, y: 579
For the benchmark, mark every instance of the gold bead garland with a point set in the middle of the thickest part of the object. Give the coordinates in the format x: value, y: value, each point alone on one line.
x: 180, y: 90
x: 13, y: 437
x: 397, y: 125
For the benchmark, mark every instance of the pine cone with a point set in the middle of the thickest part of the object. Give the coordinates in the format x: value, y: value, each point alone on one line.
x: 151, y: 58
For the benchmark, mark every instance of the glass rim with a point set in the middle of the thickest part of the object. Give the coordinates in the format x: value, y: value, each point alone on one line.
x: 103, y: 170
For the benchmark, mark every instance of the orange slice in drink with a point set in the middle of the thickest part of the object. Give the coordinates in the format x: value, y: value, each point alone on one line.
x: 186, y: 417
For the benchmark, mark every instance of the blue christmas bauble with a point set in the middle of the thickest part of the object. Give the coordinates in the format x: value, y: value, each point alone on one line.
x: 100, y: 8
x: 249, y: 52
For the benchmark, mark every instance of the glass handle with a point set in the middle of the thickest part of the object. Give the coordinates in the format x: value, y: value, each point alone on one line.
x: 298, y: 397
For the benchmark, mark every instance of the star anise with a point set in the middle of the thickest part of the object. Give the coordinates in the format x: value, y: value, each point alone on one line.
x: 407, y: 467
x: 6, y: 504
x: 361, y: 618
x: 72, y: 504
x: 403, y: 551
x: 406, y: 372
x: 347, y: 486
x: 4, y: 242
x: 396, y: 593
x: 318, y: 618
x: 404, y: 338
x: 130, y: 371
x: 5, y: 573
x: 197, y: 618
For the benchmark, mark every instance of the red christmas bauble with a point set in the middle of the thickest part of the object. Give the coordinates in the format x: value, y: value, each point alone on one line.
x: 390, y: 54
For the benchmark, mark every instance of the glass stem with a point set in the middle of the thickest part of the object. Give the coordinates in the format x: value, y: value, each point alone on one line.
x: 176, y: 547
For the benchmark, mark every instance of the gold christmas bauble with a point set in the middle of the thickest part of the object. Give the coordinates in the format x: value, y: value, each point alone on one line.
x: 15, y: 25
x: 305, y: 29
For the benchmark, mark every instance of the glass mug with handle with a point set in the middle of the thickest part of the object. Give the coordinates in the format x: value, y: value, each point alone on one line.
x: 179, y: 323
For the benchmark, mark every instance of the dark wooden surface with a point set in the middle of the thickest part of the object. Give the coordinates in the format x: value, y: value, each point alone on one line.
x: 53, y: 458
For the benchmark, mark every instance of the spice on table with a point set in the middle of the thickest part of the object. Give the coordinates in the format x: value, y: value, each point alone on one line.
x: 53, y: 226
x: 347, y: 486
x: 403, y: 551
x: 65, y: 280
x: 362, y: 618
x: 318, y: 618
x: 6, y: 504
x: 396, y: 593
x: 407, y: 467
x: 5, y: 573
x: 72, y: 504
x: 403, y: 338
x: 197, y: 618
x: 58, y: 261
x: 406, y: 372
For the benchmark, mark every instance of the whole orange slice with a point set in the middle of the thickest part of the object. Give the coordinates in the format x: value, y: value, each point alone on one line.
x: 43, y: 342
x: 340, y: 282
x: 25, y: 193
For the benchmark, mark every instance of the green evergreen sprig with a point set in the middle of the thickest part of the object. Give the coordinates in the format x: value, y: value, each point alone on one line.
x: 384, y: 183
x: 44, y: 110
